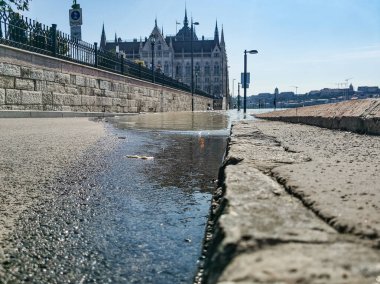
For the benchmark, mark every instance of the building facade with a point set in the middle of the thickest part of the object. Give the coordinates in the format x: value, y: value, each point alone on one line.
x: 172, y: 56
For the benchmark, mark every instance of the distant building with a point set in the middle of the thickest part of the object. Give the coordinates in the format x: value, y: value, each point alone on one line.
x: 172, y: 56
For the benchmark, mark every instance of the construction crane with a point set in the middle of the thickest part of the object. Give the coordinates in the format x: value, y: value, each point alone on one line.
x: 339, y: 85
x: 348, y: 79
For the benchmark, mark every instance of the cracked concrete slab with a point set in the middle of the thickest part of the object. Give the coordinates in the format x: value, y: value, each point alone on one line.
x: 281, y: 220
x: 341, y: 182
x: 338, y: 263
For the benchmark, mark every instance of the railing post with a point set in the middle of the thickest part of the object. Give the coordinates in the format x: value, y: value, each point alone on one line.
x: 53, y: 37
x: 1, y: 29
x: 122, y: 64
x: 96, y: 54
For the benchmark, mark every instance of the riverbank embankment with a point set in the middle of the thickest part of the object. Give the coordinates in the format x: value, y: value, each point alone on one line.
x: 361, y: 116
x: 300, y: 204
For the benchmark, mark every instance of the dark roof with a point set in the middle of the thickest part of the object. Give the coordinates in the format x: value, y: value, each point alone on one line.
x: 198, y: 46
x: 184, y: 34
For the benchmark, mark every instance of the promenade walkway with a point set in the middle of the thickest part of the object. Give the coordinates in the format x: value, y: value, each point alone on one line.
x: 302, y: 206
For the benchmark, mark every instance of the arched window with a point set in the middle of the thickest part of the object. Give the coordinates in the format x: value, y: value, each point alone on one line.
x: 188, y: 69
x: 207, y: 69
x: 197, y: 68
x: 178, y: 70
x: 216, y: 70
x: 166, y: 68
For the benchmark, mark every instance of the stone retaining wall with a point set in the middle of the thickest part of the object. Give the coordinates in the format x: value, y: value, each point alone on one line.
x: 361, y: 116
x: 29, y: 81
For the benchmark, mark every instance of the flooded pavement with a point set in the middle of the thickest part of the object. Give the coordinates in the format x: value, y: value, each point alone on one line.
x: 118, y: 219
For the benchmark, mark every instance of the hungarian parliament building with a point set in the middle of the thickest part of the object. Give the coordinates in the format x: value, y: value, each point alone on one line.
x: 172, y: 56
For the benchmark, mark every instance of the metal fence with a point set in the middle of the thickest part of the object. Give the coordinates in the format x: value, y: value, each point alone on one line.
x: 21, y: 32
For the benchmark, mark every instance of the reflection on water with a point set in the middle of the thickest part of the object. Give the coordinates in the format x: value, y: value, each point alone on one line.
x: 186, y: 121
x: 135, y: 221
x: 156, y: 210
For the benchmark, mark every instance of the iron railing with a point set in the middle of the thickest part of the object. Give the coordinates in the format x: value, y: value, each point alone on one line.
x: 21, y: 32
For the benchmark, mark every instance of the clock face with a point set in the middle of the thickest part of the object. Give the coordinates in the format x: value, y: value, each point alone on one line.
x: 75, y: 15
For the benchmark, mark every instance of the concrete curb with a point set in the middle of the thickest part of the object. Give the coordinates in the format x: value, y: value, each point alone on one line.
x: 56, y: 114
x: 360, y: 116
x: 263, y: 230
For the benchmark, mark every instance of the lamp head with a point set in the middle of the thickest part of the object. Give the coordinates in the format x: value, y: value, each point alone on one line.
x: 253, y: 52
x: 196, y: 23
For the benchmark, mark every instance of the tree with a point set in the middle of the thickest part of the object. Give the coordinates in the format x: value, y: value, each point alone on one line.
x: 18, y: 4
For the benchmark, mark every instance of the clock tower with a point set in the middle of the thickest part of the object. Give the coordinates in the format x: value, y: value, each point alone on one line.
x: 75, y: 18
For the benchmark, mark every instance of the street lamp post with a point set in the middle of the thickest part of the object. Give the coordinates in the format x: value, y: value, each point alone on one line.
x: 152, y: 42
x: 239, y: 96
x: 233, y: 84
x: 192, y: 63
x: 245, y: 76
x: 196, y: 80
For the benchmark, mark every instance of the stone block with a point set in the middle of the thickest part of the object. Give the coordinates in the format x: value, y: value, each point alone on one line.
x: 123, y: 102
x: 7, y: 82
x: 24, y: 84
x: 66, y: 108
x: 133, y: 109
x: 104, y: 85
x: 107, y: 101
x: 48, y: 75
x: 73, y: 79
x: 110, y: 94
x: 80, y: 81
x: 103, y: 101
x: 58, y: 99
x: 116, y: 102
x: 97, y: 92
x: 12, y: 97
x: 47, y: 98
x: 62, y: 78
x: 71, y: 90
x: 92, y: 83
x: 32, y: 73
x: 10, y: 70
x: 89, y: 91
x: 2, y: 96
x: 31, y: 98
x: 72, y: 100
x: 40, y: 86
x: 130, y: 96
x: 88, y: 100
x: 55, y: 87
x: 122, y: 95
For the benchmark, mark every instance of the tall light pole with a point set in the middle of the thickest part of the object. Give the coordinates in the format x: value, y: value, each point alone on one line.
x: 152, y: 42
x: 196, y: 80
x: 229, y: 101
x: 245, y: 76
x: 239, y: 96
x: 192, y: 63
x: 233, y: 84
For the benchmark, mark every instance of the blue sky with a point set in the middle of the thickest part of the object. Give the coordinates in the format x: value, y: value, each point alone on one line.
x: 311, y: 44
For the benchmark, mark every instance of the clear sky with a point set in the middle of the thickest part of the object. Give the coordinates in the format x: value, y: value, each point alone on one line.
x: 311, y: 44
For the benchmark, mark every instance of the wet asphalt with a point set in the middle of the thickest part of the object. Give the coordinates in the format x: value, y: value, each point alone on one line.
x: 113, y: 219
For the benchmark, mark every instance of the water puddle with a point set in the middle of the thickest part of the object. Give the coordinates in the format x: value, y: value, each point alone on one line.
x: 135, y: 215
